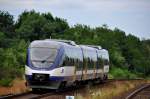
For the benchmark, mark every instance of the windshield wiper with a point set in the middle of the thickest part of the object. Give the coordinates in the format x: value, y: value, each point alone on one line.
x: 43, y: 61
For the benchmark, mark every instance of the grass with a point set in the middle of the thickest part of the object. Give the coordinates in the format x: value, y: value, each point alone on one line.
x: 6, y: 82
x: 18, y: 86
x: 112, y: 90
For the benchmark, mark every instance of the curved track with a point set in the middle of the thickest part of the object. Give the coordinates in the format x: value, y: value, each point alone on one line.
x: 141, y: 93
x: 28, y: 95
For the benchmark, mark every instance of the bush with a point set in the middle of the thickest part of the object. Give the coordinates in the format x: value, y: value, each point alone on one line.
x: 6, y: 82
x: 121, y: 73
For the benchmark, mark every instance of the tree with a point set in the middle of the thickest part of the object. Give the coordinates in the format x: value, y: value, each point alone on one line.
x: 7, y: 24
x: 32, y: 25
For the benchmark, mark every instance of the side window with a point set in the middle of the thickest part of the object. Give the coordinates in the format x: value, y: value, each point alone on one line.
x: 64, y: 62
x: 67, y: 61
x: 85, y: 62
x: 88, y: 63
x: 106, y: 62
x: 92, y: 64
x: 75, y: 62
x: 72, y: 62
x: 100, y: 63
x: 79, y: 64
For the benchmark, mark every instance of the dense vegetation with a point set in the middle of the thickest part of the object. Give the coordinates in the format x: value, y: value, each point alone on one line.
x: 128, y: 54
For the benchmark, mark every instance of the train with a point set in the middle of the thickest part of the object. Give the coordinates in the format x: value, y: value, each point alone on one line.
x: 55, y: 64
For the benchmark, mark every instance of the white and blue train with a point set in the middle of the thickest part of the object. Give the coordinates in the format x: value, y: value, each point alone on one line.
x: 53, y: 64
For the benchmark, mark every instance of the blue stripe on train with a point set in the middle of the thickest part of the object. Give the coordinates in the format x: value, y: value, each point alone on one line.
x: 52, y: 78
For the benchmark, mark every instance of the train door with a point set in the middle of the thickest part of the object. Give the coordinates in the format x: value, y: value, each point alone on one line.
x: 76, y: 73
x: 95, y: 63
x: 100, y: 65
x: 94, y: 69
x: 84, y: 72
x: 78, y: 58
x: 84, y: 68
x: 74, y: 63
x: 106, y: 62
x: 105, y: 58
x: 78, y: 70
x: 75, y: 68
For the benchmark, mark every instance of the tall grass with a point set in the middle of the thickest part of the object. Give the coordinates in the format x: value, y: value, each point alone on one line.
x: 109, y: 91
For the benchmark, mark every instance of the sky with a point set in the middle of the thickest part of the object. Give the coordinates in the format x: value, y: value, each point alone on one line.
x: 131, y: 16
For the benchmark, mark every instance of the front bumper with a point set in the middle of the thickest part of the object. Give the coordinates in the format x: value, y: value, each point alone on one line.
x: 46, y: 82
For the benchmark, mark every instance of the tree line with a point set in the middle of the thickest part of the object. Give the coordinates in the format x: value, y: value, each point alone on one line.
x: 126, y: 51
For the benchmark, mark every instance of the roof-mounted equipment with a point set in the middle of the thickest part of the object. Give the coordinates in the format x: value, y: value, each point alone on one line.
x: 94, y: 46
x: 65, y: 41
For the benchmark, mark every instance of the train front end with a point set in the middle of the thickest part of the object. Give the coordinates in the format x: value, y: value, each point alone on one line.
x: 43, y: 58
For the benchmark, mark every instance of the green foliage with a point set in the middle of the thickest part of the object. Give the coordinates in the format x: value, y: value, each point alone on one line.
x: 2, y: 37
x: 123, y: 73
x: 32, y: 25
x: 12, y: 62
x: 6, y: 82
x: 6, y: 24
x: 127, y: 53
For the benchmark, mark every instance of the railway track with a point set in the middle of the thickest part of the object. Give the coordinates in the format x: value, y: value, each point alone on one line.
x: 29, y: 95
x: 141, y: 93
x: 59, y: 94
x: 56, y: 94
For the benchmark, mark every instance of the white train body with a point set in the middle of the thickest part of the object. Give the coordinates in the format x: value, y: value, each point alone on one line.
x: 52, y: 64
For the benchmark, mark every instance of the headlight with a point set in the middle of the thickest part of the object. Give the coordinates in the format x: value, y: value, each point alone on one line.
x: 40, y: 77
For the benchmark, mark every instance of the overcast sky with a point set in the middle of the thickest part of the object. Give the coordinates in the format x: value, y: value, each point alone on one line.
x: 131, y: 16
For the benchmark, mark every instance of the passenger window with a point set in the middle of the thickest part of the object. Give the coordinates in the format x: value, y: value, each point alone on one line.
x: 106, y: 62
x: 90, y: 66
x: 100, y: 63
x: 64, y: 62
x: 72, y: 61
x: 79, y: 64
x: 85, y: 64
x: 67, y: 61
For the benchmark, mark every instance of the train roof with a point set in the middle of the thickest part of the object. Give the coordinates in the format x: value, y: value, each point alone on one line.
x: 93, y: 46
x: 87, y: 47
x: 56, y: 43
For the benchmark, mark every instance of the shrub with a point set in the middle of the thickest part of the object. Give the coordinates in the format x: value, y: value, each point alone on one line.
x: 6, y: 82
x: 121, y: 73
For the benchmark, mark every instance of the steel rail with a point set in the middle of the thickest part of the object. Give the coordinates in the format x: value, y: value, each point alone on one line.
x: 13, y: 95
x: 38, y: 96
x: 134, y: 93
